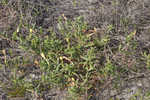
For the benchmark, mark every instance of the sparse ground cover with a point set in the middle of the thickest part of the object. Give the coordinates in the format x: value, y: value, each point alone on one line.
x: 53, y: 50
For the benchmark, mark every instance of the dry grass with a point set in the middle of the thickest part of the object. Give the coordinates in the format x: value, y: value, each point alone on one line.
x: 46, y: 45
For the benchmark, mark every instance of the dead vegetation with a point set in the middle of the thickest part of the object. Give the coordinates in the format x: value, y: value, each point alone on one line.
x: 115, y: 39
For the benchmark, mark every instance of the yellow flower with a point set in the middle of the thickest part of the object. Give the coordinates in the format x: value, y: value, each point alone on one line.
x: 42, y: 55
x: 31, y: 30
x: 4, y: 52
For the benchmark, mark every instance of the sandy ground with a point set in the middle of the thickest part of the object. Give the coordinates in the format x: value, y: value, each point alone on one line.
x: 100, y: 14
